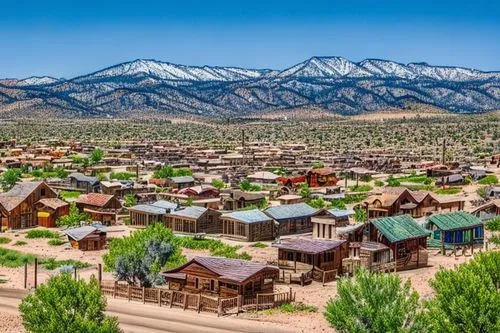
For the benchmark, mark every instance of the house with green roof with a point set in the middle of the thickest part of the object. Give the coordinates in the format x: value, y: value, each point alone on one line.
x: 406, y: 239
x: 456, y: 229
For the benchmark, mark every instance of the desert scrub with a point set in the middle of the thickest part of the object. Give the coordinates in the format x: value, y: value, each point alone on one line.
x: 65, y: 195
x: 379, y: 183
x: 259, y: 245
x: 488, y: 180
x: 56, y: 242
x: 52, y: 263
x: 216, y: 247
x: 361, y: 188
x: 13, y: 259
x: 41, y: 233
x: 295, y: 307
x: 421, y: 179
x: 20, y: 243
x: 448, y: 191
x: 4, y: 240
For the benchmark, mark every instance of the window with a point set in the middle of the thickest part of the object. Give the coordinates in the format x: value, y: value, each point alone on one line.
x: 42, y: 192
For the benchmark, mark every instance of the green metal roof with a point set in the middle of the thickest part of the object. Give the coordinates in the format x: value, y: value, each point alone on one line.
x: 399, y: 228
x: 454, y: 221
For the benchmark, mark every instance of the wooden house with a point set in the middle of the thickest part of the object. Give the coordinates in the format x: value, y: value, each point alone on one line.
x: 248, y: 225
x: 406, y: 239
x: 373, y: 256
x: 222, y: 277
x: 80, y: 181
x: 100, y: 207
x: 318, y: 256
x: 292, y: 219
x: 263, y: 177
x: 87, y: 238
x: 487, y: 211
x: 49, y: 210
x: 325, y: 225
x: 17, y: 207
x: 239, y: 200
x: 456, y: 229
x: 321, y: 177
x: 178, y: 183
x: 145, y: 214
x: 200, y: 192
x: 194, y: 220
x: 288, y: 199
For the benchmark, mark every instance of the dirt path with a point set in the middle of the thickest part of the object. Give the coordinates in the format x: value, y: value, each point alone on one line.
x: 143, y: 318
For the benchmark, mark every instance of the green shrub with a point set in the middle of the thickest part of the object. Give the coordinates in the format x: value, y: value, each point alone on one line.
x: 488, y: 180
x: 361, y: 188
x: 52, y: 263
x: 41, y: 233
x: 259, y: 245
x: 297, y: 307
x: 56, y: 242
x: 379, y: 183
x: 216, y: 247
x: 121, y: 175
x: 20, y: 243
x: 4, y: 240
x: 13, y: 259
x: 65, y: 195
x: 448, y: 191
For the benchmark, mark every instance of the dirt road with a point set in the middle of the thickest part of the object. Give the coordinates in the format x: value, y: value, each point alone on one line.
x: 143, y: 318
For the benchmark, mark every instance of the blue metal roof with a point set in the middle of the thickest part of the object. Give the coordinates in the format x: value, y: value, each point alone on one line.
x: 248, y: 216
x: 190, y: 212
x: 291, y: 211
x: 341, y: 212
x: 149, y: 209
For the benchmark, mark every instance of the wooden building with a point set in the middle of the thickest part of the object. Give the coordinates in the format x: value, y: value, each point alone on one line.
x: 200, y: 192
x: 87, y: 238
x: 316, y: 256
x: 487, y: 211
x: 100, y: 207
x: 456, y: 229
x: 325, y: 225
x: 321, y: 177
x: 248, y: 225
x: 194, y: 220
x: 288, y: 199
x: 49, y: 210
x: 406, y: 239
x: 178, y: 183
x: 292, y: 219
x: 222, y: 277
x: 80, y: 181
x: 145, y: 214
x: 373, y: 256
x: 263, y: 177
x: 239, y: 200
x: 17, y: 207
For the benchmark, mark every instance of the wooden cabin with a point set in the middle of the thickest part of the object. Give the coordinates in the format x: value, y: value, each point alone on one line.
x: 145, y: 214
x: 239, y: 200
x: 194, y: 220
x: 80, y: 181
x: 456, y: 229
x: 373, y: 256
x: 248, y: 225
x: 292, y: 219
x: 222, y: 277
x: 312, y: 255
x: 487, y: 211
x: 321, y: 177
x: 289, y: 199
x: 49, y: 210
x: 18, y: 206
x: 87, y: 238
x: 325, y: 226
x: 100, y: 207
x: 263, y: 177
x: 200, y: 192
x: 406, y: 239
x: 178, y: 183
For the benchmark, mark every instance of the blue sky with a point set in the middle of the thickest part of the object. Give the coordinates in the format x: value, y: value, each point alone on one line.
x: 68, y: 38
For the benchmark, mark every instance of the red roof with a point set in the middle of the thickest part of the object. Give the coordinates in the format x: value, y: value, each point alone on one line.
x: 95, y: 199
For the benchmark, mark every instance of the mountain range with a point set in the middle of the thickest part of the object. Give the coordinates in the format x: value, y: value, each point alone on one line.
x: 150, y: 87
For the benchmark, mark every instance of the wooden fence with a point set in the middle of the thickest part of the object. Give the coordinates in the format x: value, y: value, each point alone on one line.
x: 196, y: 302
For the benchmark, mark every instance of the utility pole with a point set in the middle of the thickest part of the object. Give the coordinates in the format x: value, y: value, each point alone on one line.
x: 443, y: 152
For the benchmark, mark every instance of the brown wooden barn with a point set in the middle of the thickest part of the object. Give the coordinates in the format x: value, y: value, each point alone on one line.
x: 194, y: 220
x: 17, y: 206
x: 222, y: 277
x: 100, y: 207
x: 87, y: 238
x: 49, y: 210
x: 249, y: 225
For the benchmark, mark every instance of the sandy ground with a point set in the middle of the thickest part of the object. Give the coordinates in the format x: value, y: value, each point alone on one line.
x: 10, y: 323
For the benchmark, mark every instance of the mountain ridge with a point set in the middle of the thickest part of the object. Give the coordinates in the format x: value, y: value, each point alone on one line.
x: 332, y: 83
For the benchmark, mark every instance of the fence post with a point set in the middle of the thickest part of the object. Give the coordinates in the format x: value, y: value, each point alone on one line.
x: 199, y: 303
x: 114, y: 289
x: 143, y: 295
x: 302, y: 280
x: 36, y: 272
x: 257, y: 305
x: 159, y: 297
x: 74, y: 273
x: 239, y: 303
x: 99, y: 273
x: 324, y: 273
x: 290, y: 294
x: 184, y: 305
x: 128, y: 292
x: 219, y: 307
x: 25, y: 275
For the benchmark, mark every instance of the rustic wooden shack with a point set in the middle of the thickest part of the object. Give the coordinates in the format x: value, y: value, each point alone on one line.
x: 17, y: 207
x: 100, y: 207
x: 248, y: 225
x: 80, y: 181
x: 487, y: 211
x: 456, y: 229
x: 222, y: 277
x: 325, y: 225
x: 321, y: 177
x: 406, y: 239
x: 373, y: 256
x: 145, y: 214
x: 239, y: 200
x: 194, y: 220
x: 178, y: 183
x: 87, y: 238
x: 292, y: 219
x: 200, y: 192
x: 49, y: 210
x: 322, y: 258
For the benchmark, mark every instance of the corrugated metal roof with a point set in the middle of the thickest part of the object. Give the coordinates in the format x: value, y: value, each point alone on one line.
x: 248, y: 216
x: 454, y: 220
x: 164, y: 204
x: 82, y: 178
x: 190, y: 212
x: 291, y: 211
x: 341, y: 212
x: 149, y: 209
x: 80, y: 233
x: 182, y: 179
x: 398, y: 228
x: 310, y: 246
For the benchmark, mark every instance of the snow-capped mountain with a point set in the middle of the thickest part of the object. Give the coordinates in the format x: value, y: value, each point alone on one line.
x: 332, y: 83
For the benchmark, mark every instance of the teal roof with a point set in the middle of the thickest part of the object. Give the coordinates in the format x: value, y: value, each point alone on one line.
x: 454, y: 221
x: 291, y: 211
x: 399, y: 228
x: 248, y: 216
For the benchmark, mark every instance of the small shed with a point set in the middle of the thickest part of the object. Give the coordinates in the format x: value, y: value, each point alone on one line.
x: 180, y: 182
x: 194, y: 219
x: 49, y: 210
x: 88, y: 237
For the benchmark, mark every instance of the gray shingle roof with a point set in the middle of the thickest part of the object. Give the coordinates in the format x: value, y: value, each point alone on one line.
x: 17, y: 194
x: 80, y: 233
x: 310, y: 246
x: 182, y: 179
x: 341, y: 212
x: 149, y: 209
x: 189, y: 212
x: 291, y: 211
x: 82, y: 178
x: 248, y: 216
x: 164, y: 204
